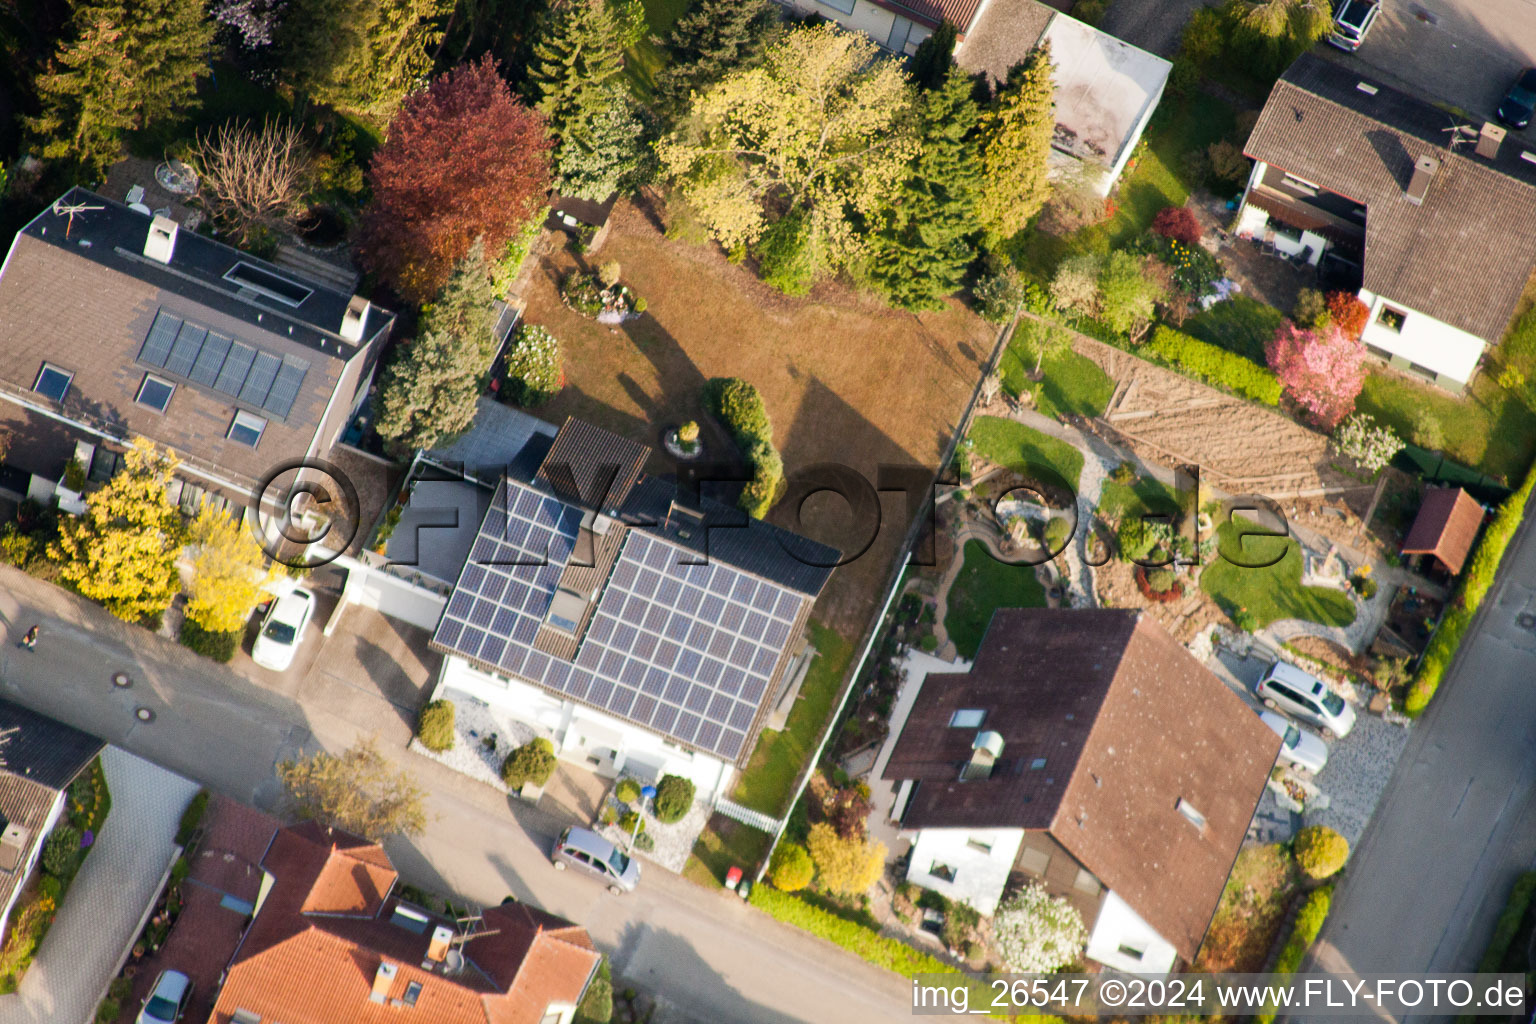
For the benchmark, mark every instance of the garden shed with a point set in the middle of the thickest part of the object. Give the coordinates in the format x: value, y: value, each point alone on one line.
x: 582, y: 218
x: 1445, y: 527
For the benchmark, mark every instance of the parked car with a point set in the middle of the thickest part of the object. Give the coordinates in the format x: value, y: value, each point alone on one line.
x: 1352, y: 19
x: 1301, y: 747
x: 1287, y: 688
x: 283, y: 629
x: 1519, y: 102
x: 586, y: 851
x: 167, y: 1000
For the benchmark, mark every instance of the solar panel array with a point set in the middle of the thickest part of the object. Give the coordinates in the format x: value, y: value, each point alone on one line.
x: 685, y: 650
x: 223, y: 364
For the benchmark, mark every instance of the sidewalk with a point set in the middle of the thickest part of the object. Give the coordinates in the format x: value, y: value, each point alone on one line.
x: 101, y: 912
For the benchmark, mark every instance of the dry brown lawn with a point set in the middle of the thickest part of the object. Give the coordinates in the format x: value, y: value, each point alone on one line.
x: 844, y: 378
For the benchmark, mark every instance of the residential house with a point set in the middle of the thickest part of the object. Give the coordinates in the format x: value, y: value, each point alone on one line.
x: 116, y: 324
x: 334, y: 942
x: 898, y: 25
x: 1442, y: 215
x: 39, y: 758
x: 1090, y: 751
x: 640, y: 628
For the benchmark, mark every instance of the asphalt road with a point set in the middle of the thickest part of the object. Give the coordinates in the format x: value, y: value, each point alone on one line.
x: 1459, y: 818
x: 711, y: 958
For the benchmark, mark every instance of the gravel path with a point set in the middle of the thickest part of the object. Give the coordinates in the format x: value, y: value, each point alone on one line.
x: 1358, y: 769
x: 473, y: 722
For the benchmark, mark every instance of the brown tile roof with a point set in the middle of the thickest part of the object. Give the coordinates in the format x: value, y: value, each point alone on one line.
x: 1127, y: 724
x: 27, y: 804
x: 1445, y: 527
x: 310, y: 958
x: 1003, y: 35
x: 1464, y: 255
x: 960, y: 13
x: 588, y: 465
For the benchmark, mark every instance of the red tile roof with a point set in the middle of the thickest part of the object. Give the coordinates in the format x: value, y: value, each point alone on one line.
x: 315, y: 948
x: 1445, y: 527
x: 959, y: 13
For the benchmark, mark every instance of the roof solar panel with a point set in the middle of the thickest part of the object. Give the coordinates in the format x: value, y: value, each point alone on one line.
x: 162, y: 334
x: 189, y: 342
x: 236, y: 366
x: 285, y: 388
x: 210, y: 360
x: 259, y: 380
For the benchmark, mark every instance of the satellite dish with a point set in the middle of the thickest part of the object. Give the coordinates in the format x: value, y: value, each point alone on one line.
x: 454, y: 961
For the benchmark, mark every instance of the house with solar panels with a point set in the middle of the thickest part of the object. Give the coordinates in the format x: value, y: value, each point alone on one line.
x: 116, y: 324
x: 640, y: 628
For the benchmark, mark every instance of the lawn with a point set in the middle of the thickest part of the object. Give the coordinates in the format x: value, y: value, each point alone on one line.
x: 1072, y: 384
x: 1016, y: 446
x: 644, y: 60
x: 725, y: 844
x: 1142, y: 495
x: 1490, y: 429
x: 768, y: 781
x: 1241, y: 324
x: 1251, y: 910
x: 1273, y: 592
x: 984, y: 585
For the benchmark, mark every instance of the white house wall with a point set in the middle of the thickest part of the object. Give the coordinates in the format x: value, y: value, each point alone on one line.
x: 1430, y: 343
x: 391, y: 595
x: 862, y: 16
x: 1120, y: 929
x: 980, y: 874
x: 585, y: 736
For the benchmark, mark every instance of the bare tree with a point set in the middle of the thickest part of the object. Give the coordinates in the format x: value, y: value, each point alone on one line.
x: 251, y: 178
x: 357, y: 790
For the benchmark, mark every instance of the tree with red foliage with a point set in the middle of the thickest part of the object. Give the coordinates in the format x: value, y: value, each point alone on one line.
x: 463, y: 159
x: 1178, y: 223
x: 1348, y: 313
x: 1322, y: 371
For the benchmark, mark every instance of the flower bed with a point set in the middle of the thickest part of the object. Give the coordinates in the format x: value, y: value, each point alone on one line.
x: 481, y: 741
x: 586, y: 294
x: 1144, y: 585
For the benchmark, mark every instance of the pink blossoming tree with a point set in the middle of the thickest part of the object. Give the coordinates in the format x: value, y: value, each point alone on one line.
x: 1322, y: 371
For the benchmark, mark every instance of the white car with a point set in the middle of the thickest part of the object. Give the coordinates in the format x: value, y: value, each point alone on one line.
x: 167, y: 1000
x: 1301, y: 748
x: 283, y: 629
x: 1287, y: 688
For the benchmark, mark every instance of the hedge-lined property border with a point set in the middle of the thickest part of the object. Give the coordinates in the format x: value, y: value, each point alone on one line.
x: 1505, y: 929
x: 1309, y: 921
x: 1480, y: 574
x: 1216, y: 366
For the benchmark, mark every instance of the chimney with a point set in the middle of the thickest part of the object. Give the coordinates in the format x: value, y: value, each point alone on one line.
x: 985, y: 751
x: 353, y: 319
x: 383, y: 981
x: 442, y: 941
x: 1423, y: 174
x: 1488, y: 140
x: 160, y: 243
x: 13, y: 846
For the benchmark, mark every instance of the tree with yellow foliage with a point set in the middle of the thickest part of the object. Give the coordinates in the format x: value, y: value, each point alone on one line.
x: 122, y: 550
x: 847, y: 866
x: 228, y: 573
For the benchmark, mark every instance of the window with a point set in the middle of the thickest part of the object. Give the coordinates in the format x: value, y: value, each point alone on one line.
x: 52, y: 382
x: 155, y: 393
x: 942, y: 871
x: 1086, y: 882
x: 1191, y: 814
x: 979, y: 845
x: 246, y: 1017
x: 967, y: 718
x: 409, y: 918
x: 1391, y: 319
x: 1033, y: 862
x: 246, y: 429
x: 841, y: 6
x: 1301, y: 185
x: 412, y: 993
x: 1037, y: 763
x: 552, y: 1017
x: 1126, y: 949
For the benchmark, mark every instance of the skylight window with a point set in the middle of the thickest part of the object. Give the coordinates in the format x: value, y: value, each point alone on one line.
x: 409, y: 918
x: 289, y: 293
x: 967, y: 718
x: 246, y: 429
x: 155, y: 393
x: 1191, y: 815
x: 52, y: 382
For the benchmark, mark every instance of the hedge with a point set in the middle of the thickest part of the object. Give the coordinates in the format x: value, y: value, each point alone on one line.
x: 1216, y: 365
x: 1309, y: 921
x: 1508, y: 924
x: 210, y: 643
x: 434, y: 726
x: 738, y: 405
x: 1475, y: 584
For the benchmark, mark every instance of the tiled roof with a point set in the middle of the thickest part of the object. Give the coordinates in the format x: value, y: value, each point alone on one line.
x: 1107, y: 724
x: 590, y: 467
x: 1445, y: 527
x: 41, y: 749
x: 959, y: 13
x: 26, y: 804
x: 1465, y: 254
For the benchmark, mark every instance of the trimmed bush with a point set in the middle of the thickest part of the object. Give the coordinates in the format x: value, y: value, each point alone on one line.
x: 791, y: 868
x: 767, y: 479
x: 597, y: 1005
x: 1216, y: 366
x: 627, y: 791
x: 1478, y: 578
x: 1309, y: 921
x: 674, y: 798
x: 191, y: 818
x: 434, y: 726
x: 1058, y: 532
x: 1320, y: 851
x: 1178, y: 223
x: 533, y: 762
x: 739, y: 407
x: 220, y: 646
x: 861, y: 941
x: 631, y: 823
x: 60, y: 850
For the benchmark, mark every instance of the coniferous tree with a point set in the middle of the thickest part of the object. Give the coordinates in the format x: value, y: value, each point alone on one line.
x: 87, y: 93
x: 464, y: 309
x: 361, y: 57
x: 171, y: 44
x: 712, y: 37
x: 921, y: 244
x: 578, y: 53
x: 934, y: 57
x: 1015, y: 142
x: 607, y: 152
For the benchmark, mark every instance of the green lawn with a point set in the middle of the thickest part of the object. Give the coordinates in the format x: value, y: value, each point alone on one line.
x: 644, y: 61
x: 1016, y: 446
x: 983, y: 586
x: 1142, y: 495
x: 1274, y: 592
x: 1490, y: 428
x: 1073, y: 384
x: 1241, y: 324
x: 768, y: 781
x: 736, y: 845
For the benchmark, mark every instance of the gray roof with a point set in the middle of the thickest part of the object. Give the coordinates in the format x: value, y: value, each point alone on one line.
x: 438, y: 527
x: 1465, y: 254
x: 502, y: 440
x: 41, y: 749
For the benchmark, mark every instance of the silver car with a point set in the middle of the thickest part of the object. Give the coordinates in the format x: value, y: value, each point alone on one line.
x: 167, y: 1000
x: 586, y: 851
x: 1301, y: 748
x: 1287, y: 688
